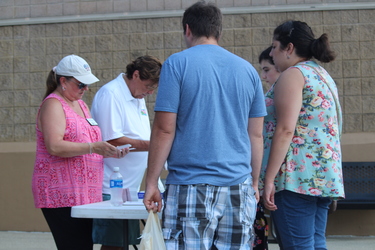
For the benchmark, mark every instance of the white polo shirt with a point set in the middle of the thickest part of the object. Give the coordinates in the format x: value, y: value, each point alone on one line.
x: 119, y: 114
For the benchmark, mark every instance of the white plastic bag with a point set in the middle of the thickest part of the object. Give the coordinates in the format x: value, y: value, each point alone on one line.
x: 152, y: 237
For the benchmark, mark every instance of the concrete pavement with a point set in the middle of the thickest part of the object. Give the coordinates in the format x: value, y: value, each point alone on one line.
x: 344, y: 243
x: 14, y: 240
x: 11, y: 240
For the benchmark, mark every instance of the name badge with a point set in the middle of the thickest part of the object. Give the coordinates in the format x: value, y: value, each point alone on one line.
x: 92, y: 121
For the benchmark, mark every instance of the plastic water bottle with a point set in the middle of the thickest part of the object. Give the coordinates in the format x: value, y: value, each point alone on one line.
x: 115, y: 184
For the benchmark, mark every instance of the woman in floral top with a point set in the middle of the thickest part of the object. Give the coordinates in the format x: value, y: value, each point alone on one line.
x: 302, y: 159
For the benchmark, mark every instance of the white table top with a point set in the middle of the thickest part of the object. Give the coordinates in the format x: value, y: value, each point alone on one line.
x: 104, y: 210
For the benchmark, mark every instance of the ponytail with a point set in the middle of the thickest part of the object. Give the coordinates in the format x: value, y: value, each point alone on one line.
x: 321, y: 49
x: 51, y: 83
x: 302, y: 37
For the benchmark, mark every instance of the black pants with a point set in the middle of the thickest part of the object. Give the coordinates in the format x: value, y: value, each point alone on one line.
x: 69, y: 233
x: 260, y: 229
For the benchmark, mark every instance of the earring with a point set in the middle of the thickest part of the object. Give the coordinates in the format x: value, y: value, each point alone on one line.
x: 287, y: 57
x: 63, y: 88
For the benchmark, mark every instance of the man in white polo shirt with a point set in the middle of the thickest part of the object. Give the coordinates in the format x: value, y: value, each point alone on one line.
x: 120, y: 110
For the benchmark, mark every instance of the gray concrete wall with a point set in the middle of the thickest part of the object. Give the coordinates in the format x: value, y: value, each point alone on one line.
x: 28, y: 52
x: 11, y: 9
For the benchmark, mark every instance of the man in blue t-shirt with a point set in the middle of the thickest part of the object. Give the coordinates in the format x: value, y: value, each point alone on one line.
x: 208, y: 126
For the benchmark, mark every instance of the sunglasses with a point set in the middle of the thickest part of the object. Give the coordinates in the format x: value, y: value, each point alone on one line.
x: 81, y: 85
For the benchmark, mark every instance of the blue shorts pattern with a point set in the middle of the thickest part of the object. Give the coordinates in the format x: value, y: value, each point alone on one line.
x: 209, y: 217
x: 110, y: 232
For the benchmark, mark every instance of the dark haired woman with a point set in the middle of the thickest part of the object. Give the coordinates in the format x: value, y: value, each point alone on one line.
x: 269, y: 73
x: 302, y: 138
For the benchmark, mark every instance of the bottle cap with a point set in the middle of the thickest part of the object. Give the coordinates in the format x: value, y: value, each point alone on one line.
x: 116, y: 169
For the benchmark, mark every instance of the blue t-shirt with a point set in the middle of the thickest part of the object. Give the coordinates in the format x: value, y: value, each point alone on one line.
x: 214, y: 93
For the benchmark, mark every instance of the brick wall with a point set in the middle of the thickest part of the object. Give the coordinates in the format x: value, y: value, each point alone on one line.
x: 11, y: 9
x: 28, y: 52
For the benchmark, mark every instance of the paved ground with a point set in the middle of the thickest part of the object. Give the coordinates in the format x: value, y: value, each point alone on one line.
x: 10, y: 240
x: 344, y: 243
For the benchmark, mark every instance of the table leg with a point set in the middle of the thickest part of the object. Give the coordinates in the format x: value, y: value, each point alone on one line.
x: 126, y: 241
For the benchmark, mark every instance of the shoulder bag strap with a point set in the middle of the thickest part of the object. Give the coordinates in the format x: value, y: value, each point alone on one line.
x: 335, y: 97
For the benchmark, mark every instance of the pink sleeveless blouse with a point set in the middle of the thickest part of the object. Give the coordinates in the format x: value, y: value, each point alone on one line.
x: 66, y: 182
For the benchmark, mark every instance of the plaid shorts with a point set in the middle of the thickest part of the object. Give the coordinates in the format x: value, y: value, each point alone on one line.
x: 209, y: 217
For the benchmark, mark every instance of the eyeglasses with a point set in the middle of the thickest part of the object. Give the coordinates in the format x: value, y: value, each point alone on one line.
x: 80, y: 84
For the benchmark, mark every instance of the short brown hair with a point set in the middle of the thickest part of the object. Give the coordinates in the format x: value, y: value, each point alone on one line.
x: 149, y: 68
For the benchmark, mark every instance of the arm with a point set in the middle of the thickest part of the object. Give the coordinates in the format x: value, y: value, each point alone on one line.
x: 255, y: 129
x: 109, y: 112
x: 162, y: 136
x: 288, y: 103
x: 51, y: 122
x: 139, y: 145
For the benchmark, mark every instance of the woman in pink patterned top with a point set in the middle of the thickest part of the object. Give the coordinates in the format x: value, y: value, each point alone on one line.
x: 68, y: 168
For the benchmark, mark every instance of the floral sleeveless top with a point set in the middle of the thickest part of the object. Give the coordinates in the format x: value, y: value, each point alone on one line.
x: 312, y: 165
x: 66, y: 182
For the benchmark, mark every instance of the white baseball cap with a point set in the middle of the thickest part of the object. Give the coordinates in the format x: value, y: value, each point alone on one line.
x: 76, y: 67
